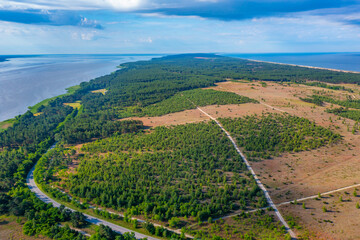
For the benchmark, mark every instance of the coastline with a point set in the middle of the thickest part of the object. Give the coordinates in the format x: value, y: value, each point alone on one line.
x: 303, y: 66
x: 48, y: 76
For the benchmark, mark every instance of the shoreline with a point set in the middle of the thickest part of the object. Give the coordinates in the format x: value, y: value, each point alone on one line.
x: 303, y: 66
x: 52, y: 79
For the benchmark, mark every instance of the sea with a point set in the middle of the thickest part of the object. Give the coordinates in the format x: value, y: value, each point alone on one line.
x: 340, y: 61
x: 29, y: 79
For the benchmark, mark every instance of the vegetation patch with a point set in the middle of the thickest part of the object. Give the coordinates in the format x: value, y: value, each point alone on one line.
x: 271, y: 134
x: 6, y: 124
x: 315, y: 99
x: 166, y: 174
x: 349, y: 103
x: 190, y: 99
x: 324, y: 85
x: 346, y: 113
x: 258, y: 225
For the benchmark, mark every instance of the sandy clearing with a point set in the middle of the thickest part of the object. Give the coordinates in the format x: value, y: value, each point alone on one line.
x: 341, y: 221
x: 194, y: 116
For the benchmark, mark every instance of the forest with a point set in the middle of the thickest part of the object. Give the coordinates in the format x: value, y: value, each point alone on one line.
x: 188, y: 100
x: 164, y: 174
x: 272, y: 134
x: 211, y: 180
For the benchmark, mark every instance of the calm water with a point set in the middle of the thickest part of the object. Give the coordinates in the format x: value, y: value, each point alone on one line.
x: 342, y: 61
x: 27, y: 80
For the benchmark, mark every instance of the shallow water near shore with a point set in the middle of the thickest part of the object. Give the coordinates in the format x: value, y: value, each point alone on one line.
x: 27, y: 80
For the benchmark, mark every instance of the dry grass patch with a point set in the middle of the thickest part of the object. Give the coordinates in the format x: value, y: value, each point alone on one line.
x: 102, y: 91
x: 329, y: 217
x: 10, y: 229
x: 74, y: 105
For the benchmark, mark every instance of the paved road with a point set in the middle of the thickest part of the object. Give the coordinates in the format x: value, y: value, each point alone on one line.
x: 257, y: 180
x: 43, y: 197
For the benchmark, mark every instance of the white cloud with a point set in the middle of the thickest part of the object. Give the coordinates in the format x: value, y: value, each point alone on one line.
x: 122, y: 5
x: 86, y: 36
x: 125, y: 4
x: 146, y: 40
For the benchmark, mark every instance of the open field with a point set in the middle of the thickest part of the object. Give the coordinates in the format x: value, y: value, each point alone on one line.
x: 74, y: 105
x: 295, y: 175
x: 194, y: 115
x: 330, y: 217
x: 102, y: 91
x: 329, y: 167
x: 10, y: 229
x: 7, y: 123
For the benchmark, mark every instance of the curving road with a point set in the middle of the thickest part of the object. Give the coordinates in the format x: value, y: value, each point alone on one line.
x: 257, y: 180
x: 43, y: 197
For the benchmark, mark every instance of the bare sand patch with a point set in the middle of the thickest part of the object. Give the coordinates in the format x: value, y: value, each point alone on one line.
x: 188, y: 116
x: 295, y: 175
x: 327, y: 217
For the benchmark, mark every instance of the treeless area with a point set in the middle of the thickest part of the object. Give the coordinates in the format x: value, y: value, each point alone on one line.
x: 11, y: 230
x: 194, y: 115
x: 329, y: 217
x: 301, y: 174
x: 188, y: 116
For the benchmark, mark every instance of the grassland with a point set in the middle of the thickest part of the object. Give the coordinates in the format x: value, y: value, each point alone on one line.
x: 102, y: 91
x: 75, y: 105
x: 11, y: 229
x: 7, y: 123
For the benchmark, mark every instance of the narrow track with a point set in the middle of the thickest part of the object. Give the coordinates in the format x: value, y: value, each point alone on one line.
x: 325, y: 193
x: 258, y: 182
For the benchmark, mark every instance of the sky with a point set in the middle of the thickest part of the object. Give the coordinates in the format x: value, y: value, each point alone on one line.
x: 178, y: 26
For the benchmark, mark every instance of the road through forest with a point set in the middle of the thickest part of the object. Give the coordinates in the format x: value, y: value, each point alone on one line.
x: 43, y: 197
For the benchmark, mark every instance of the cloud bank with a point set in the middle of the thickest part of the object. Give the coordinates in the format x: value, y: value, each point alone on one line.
x: 45, y: 17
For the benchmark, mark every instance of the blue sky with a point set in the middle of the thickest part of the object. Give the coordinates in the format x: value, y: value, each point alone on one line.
x: 160, y: 26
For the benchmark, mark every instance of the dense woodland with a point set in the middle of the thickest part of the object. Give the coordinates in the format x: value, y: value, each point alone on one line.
x: 191, y: 99
x: 168, y: 173
x: 271, y: 134
x: 149, y: 88
x: 188, y: 100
